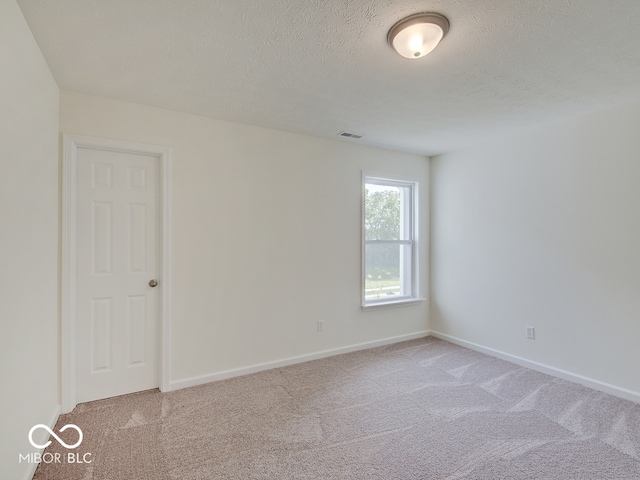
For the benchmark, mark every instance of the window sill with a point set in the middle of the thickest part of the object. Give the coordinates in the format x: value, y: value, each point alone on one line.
x: 396, y: 303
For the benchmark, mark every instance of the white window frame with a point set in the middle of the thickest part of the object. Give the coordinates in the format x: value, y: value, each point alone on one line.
x: 409, y: 225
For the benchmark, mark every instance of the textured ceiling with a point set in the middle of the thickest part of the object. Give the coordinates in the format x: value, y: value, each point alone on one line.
x: 320, y: 67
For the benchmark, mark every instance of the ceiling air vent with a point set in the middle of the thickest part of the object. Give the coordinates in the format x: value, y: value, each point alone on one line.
x: 349, y: 135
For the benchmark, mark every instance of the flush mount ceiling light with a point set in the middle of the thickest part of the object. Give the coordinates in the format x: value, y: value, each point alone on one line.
x: 418, y: 35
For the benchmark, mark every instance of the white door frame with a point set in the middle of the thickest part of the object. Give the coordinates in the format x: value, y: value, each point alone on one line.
x: 70, y: 145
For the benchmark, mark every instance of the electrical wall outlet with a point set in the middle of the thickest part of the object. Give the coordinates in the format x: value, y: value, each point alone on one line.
x: 321, y: 325
x: 530, y: 332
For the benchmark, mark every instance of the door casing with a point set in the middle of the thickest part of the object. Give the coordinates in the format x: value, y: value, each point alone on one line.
x: 68, y: 339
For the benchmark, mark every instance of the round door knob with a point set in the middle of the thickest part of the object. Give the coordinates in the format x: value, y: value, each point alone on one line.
x: 153, y: 283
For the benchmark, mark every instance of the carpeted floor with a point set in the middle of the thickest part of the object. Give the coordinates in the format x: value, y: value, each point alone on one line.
x: 423, y: 409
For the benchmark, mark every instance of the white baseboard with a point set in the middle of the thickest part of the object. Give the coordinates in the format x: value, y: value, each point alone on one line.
x: 236, y: 372
x: 42, y: 437
x: 540, y: 367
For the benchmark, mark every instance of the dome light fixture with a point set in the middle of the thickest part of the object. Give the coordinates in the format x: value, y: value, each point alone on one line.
x: 417, y: 35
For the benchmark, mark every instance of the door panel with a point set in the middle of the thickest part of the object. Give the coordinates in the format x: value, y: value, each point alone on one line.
x: 117, y: 255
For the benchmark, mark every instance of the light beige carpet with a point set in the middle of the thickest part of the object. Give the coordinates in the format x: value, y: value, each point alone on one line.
x: 423, y: 409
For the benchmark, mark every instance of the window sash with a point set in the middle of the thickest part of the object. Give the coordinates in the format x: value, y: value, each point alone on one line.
x: 398, y: 242
x: 406, y: 283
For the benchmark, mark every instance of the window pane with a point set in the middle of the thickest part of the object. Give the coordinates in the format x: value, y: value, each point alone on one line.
x: 387, y: 271
x: 382, y: 212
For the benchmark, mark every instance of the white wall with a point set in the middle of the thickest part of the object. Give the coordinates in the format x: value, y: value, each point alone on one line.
x: 265, y: 232
x: 29, y: 240
x: 543, y: 229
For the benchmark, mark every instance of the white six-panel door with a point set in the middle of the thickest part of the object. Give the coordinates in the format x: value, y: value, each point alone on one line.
x: 117, y: 239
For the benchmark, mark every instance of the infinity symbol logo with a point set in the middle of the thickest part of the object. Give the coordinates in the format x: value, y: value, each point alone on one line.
x: 40, y: 425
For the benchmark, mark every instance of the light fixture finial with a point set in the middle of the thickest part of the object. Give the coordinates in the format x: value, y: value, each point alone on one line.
x: 417, y: 35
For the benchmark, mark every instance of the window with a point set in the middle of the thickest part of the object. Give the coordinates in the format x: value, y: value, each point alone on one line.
x: 389, y: 236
